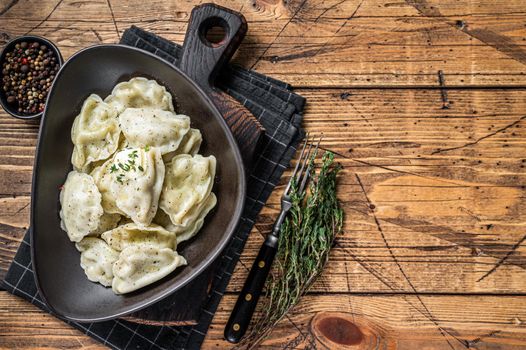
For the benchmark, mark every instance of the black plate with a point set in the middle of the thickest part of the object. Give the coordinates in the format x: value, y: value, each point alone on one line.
x: 60, y: 279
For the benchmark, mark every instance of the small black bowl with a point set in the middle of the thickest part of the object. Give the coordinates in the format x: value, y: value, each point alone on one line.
x: 8, y: 48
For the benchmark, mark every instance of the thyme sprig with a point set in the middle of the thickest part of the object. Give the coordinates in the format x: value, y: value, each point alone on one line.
x: 305, y: 241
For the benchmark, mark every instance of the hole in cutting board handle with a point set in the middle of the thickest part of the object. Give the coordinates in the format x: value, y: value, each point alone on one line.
x: 214, y: 32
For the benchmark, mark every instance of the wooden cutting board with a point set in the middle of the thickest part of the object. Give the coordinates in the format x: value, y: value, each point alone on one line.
x: 201, y: 61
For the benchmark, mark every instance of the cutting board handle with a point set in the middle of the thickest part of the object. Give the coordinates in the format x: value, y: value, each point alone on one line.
x: 201, y: 59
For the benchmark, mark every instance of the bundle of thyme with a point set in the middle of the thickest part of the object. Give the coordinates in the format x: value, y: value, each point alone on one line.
x: 306, y: 238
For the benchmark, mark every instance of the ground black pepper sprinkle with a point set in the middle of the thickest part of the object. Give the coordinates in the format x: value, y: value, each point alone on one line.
x: 27, y: 74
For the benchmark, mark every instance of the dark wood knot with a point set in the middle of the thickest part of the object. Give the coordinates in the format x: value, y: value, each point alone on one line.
x: 338, y: 330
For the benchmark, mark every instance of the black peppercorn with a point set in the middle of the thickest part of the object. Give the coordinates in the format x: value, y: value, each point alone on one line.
x: 26, y: 76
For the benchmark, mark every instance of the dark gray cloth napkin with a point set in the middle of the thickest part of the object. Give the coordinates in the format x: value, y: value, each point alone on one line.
x: 279, y: 111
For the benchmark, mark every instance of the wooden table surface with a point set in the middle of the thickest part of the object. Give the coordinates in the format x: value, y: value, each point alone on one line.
x: 424, y: 103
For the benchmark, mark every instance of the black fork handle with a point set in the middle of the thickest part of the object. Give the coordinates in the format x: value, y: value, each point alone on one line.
x: 246, y: 303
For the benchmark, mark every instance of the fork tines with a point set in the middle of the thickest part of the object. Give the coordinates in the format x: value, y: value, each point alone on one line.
x: 304, y: 172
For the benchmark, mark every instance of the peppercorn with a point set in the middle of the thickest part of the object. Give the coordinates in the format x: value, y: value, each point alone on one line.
x: 27, y: 72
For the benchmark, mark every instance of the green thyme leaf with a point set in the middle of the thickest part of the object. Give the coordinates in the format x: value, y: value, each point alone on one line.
x: 133, y: 154
x: 113, y: 168
x: 141, y: 168
x: 119, y: 178
x: 147, y: 148
x: 305, y: 240
x: 124, y: 167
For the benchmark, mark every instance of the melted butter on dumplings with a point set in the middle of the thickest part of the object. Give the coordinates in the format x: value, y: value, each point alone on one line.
x: 154, y: 127
x: 95, y: 133
x: 188, y: 182
x: 142, y: 264
x: 126, y: 144
x: 195, y: 221
x: 103, y: 179
x: 189, y: 145
x: 81, y: 211
x: 131, y: 183
x: 192, y: 229
x: 126, y: 235
x: 97, y: 259
x: 107, y: 222
x: 139, y: 93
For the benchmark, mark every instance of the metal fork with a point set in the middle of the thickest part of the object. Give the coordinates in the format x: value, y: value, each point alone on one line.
x: 246, y: 303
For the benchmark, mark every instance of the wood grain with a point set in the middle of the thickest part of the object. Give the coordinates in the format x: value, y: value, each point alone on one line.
x: 423, y: 103
x: 202, y: 62
x: 386, y: 322
x: 399, y: 322
x: 247, y: 129
x: 321, y: 43
x: 392, y: 134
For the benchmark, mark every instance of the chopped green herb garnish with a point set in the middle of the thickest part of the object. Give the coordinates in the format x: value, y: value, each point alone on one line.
x: 120, y: 177
x: 113, y: 168
x: 147, y: 148
x: 141, y: 168
x: 124, y: 167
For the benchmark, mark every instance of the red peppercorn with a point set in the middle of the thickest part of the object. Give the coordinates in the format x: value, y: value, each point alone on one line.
x: 24, y: 60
